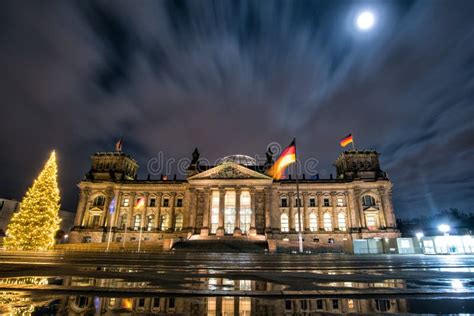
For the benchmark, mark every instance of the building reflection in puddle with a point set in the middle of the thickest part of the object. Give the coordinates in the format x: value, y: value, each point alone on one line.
x: 230, y: 305
x: 236, y: 303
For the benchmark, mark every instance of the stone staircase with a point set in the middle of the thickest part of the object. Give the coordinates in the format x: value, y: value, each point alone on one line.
x: 223, y: 244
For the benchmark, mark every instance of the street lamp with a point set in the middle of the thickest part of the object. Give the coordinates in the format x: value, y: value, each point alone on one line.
x: 444, y: 229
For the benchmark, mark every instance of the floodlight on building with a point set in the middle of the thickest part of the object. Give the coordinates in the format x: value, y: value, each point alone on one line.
x: 419, y: 235
x: 444, y: 228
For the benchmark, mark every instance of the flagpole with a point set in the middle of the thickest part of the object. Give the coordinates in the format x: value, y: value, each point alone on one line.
x: 140, y: 235
x: 108, y: 240
x: 298, y: 203
x: 353, y: 145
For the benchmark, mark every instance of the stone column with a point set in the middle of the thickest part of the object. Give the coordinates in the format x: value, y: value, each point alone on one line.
x: 81, y: 206
x: 172, y: 205
x: 191, y: 195
x: 105, y: 209
x: 206, y: 212
x: 143, y: 211
x: 253, y: 221
x: 267, y: 201
x: 158, y: 210
x: 319, y: 197
x: 359, y: 207
x: 85, y: 217
x: 349, y: 212
x: 387, y: 207
x: 220, y: 229
x: 132, y: 208
x: 237, y: 231
x: 354, y: 210
x: 291, y: 217
x: 335, y: 223
x: 275, y: 210
x: 304, y: 199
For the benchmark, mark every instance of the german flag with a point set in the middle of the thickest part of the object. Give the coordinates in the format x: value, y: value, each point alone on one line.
x: 288, y: 156
x: 346, y: 140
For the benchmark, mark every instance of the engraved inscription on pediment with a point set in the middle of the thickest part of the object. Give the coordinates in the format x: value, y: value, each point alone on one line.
x: 230, y: 173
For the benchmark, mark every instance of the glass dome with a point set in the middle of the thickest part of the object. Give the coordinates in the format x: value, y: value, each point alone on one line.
x: 243, y: 160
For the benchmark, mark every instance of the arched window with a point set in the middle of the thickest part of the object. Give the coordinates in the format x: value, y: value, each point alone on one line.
x: 284, y: 223
x: 313, y: 222
x: 149, y: 222
x: 123, y: 221
x: 164, y: 222
x: 341, y: 221
x: 137, y: 221
x: 229, y: 212
x: 327, y: 219
x: 214, y: 212
x: 99, y: 201
x: 297, y: 222
x: 178, y: 224
x: 368, y: 200
x: 245, y: 211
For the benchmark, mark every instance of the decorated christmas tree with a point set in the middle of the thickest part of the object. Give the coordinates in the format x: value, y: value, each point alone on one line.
x: 34, y: 226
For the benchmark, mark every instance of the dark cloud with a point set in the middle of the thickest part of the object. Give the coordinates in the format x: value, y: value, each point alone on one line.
x: 233, y: 76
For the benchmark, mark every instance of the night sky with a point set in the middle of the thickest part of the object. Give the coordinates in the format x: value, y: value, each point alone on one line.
x: 233, y: 76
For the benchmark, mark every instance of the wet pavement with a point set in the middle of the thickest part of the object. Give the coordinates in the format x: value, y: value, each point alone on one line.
x: 233, y: 284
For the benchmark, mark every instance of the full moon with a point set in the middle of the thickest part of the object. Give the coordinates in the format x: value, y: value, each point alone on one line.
x: 365, y: 20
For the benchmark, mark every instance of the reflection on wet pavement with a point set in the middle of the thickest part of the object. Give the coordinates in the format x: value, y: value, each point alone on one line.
x: 296, y: 285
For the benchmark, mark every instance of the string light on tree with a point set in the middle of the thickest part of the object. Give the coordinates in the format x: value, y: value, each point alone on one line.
x: 34, y: 226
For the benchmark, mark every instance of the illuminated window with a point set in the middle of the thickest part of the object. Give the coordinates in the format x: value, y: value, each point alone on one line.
x: 178, y: 225
x: 137, y: 222
x: 179, y: 202
x: 327, y: 221
x: 341, y: 221
x: 99, y: 201
x: 313, y: 222
x: 126, y: 202
x: 112, y: 301
x: 229, y: 212
x: 350, y: 304
x: 368, y: 200
x: 340, y: 201
x: 326, y: 202
x: 284, y: 223
x: 149, y: 222
x: 245, y: 211
x: 164, y: 222
x: 312, y: 202
x: 214, y: 212
x: 284, y: 202
x: 371, y: 221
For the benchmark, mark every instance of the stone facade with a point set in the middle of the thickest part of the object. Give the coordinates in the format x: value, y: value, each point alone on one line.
x: 235, y: 198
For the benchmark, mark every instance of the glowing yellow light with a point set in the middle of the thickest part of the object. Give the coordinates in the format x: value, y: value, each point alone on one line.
x: 34, y: 226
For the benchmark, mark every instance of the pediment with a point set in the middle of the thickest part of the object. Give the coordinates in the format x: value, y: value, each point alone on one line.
x: 229, y: 170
